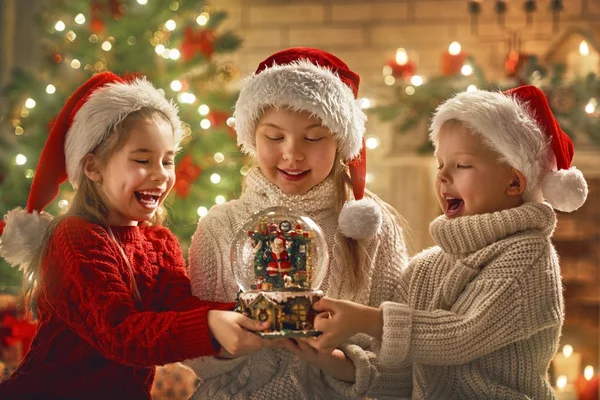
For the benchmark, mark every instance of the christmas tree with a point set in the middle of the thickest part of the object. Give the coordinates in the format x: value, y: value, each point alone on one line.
x: 177, y: 44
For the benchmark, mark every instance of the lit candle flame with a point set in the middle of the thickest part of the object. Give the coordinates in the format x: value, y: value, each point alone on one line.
x: 584, y: 49
x: 454, y: 48
x: 561, y: 382
x: 401, y: 56
x: 588, y: 372
x: 567, y: 350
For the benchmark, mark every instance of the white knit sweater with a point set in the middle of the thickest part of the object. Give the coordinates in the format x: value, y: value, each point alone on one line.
x: 276, y: 373
x: 479, y: 315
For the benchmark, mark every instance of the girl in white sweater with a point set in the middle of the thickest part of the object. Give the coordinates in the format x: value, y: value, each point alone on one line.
x: 479, y: 315
x: 299, y: 116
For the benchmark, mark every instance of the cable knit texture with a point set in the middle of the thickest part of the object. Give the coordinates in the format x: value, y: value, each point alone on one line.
x: 276, y: 373
x: 480, y: 315
x: 93, y: 342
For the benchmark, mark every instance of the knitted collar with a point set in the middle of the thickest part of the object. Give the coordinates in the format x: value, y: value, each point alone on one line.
x: 468, y: 234
x: 262, y: 191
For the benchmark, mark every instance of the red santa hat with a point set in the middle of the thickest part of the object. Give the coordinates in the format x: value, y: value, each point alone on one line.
x: 88, y: 117
x: 313, y: 80
x: 519, y: 125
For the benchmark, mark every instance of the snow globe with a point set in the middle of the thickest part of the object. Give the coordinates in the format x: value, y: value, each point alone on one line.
x: 279, y: 259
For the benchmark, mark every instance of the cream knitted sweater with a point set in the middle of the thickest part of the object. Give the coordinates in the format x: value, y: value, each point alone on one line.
x: 480, y: 315
x: 276, y: 373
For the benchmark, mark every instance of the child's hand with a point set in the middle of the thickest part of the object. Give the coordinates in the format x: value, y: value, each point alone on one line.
x: 334, y: 363
x: 231, y: 330
x: 339, y: 320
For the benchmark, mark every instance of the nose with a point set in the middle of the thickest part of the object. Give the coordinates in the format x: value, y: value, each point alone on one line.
x: 159, y: 173
x: 293, y: 151
x: 443, y: 175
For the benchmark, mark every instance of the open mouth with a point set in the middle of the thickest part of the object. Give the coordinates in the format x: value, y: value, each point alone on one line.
x: 148, y: 199
x: 294, y: 175
x: 454, y: 205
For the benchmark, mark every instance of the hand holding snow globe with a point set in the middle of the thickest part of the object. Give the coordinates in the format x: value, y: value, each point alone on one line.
x: 279, y: 259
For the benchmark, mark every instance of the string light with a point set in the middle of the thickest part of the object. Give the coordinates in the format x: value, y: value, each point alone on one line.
x: 63, y: 204
x: 410, y: 90
x: 19, y: 130
x: 230, y: 122
x: 187, y: 97
x: 176, y: 85
x: 60, y: 26
x: 75, y: 64
x: 244, y: 170
x: 591, y: 105
x: 471, y: 88
x: 203, y: 109
x: 80, y: 19
x: 466, y: 70
x: 93, y: 38
x: 205, y: 123
x: 71, y: 36
x: 215, y: 178
x: 174, y: 54
x: 29, y: 173
x: 220, y: 199
x: 131, y: 40
x: 170, y: 25
x: 389, y: 80
x: 202, y: 19
x: 50, y: 89
x: 454, y: 48
x: 106, y: 46
x: 142, y: 2
x: 219, y: 157
x: 159, y: 49
x: 369, y: 178
x: 416, y: 80
x: 365, y: 103
x: 202, y: 211
x: 30, y: 103
x: 372, y: 143
x: 20, y: 159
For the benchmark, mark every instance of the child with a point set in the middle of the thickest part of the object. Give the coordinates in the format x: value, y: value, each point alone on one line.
x: 298, y: 115
x: 480, y: 314
x: 110, y: 284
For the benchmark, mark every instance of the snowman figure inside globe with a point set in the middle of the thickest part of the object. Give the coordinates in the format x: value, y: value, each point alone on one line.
x: 279, y: 260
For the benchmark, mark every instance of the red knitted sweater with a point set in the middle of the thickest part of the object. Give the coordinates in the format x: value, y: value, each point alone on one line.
x: 93, y: 341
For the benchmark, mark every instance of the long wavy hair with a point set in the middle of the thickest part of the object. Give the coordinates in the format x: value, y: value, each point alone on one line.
x: 88, y: 201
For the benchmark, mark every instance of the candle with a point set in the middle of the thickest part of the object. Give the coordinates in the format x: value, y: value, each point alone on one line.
x: 453, y: 60
x: 582, y: 62
x: 564, y: 390
x: 400, y: 66
x: 568, y: 364
x: 587, y: 385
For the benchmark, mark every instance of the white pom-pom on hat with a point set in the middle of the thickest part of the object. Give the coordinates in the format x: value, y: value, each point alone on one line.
x: 23, y: 235
x: 565, y: 189
x: 360, y: 219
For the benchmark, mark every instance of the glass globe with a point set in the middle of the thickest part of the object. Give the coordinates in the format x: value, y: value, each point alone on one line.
x: 279, y: 249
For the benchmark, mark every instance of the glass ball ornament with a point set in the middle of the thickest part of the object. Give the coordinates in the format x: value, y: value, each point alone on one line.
x: 279, y: 249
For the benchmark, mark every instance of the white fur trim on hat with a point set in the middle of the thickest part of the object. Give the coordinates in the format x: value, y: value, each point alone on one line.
x: 301, y: 86
x: 360, y: 219
x: 23, y: 235
x: 105, y: 108
x: 565, y: 190
x: 507, y: 126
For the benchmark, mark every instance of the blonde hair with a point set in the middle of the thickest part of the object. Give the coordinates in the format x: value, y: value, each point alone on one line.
x: 353, y: 251
x: 88, y: 202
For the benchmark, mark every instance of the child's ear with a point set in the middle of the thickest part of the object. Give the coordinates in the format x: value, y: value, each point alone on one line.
x: 518, y: 183
x: 91, y: 168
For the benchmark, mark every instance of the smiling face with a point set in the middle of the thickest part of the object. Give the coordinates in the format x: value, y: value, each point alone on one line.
x: 137, y: 177
x: 471, y: 180
x: 293, y: 149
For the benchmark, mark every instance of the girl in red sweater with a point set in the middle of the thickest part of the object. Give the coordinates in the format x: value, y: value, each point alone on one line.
x: 108, y: 281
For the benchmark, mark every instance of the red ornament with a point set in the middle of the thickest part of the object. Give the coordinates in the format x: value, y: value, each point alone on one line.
x: 187, y: 172
x: 514, y: 63
x: 114, y: 7
x: 218, y: 118
x: 197, y: 42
